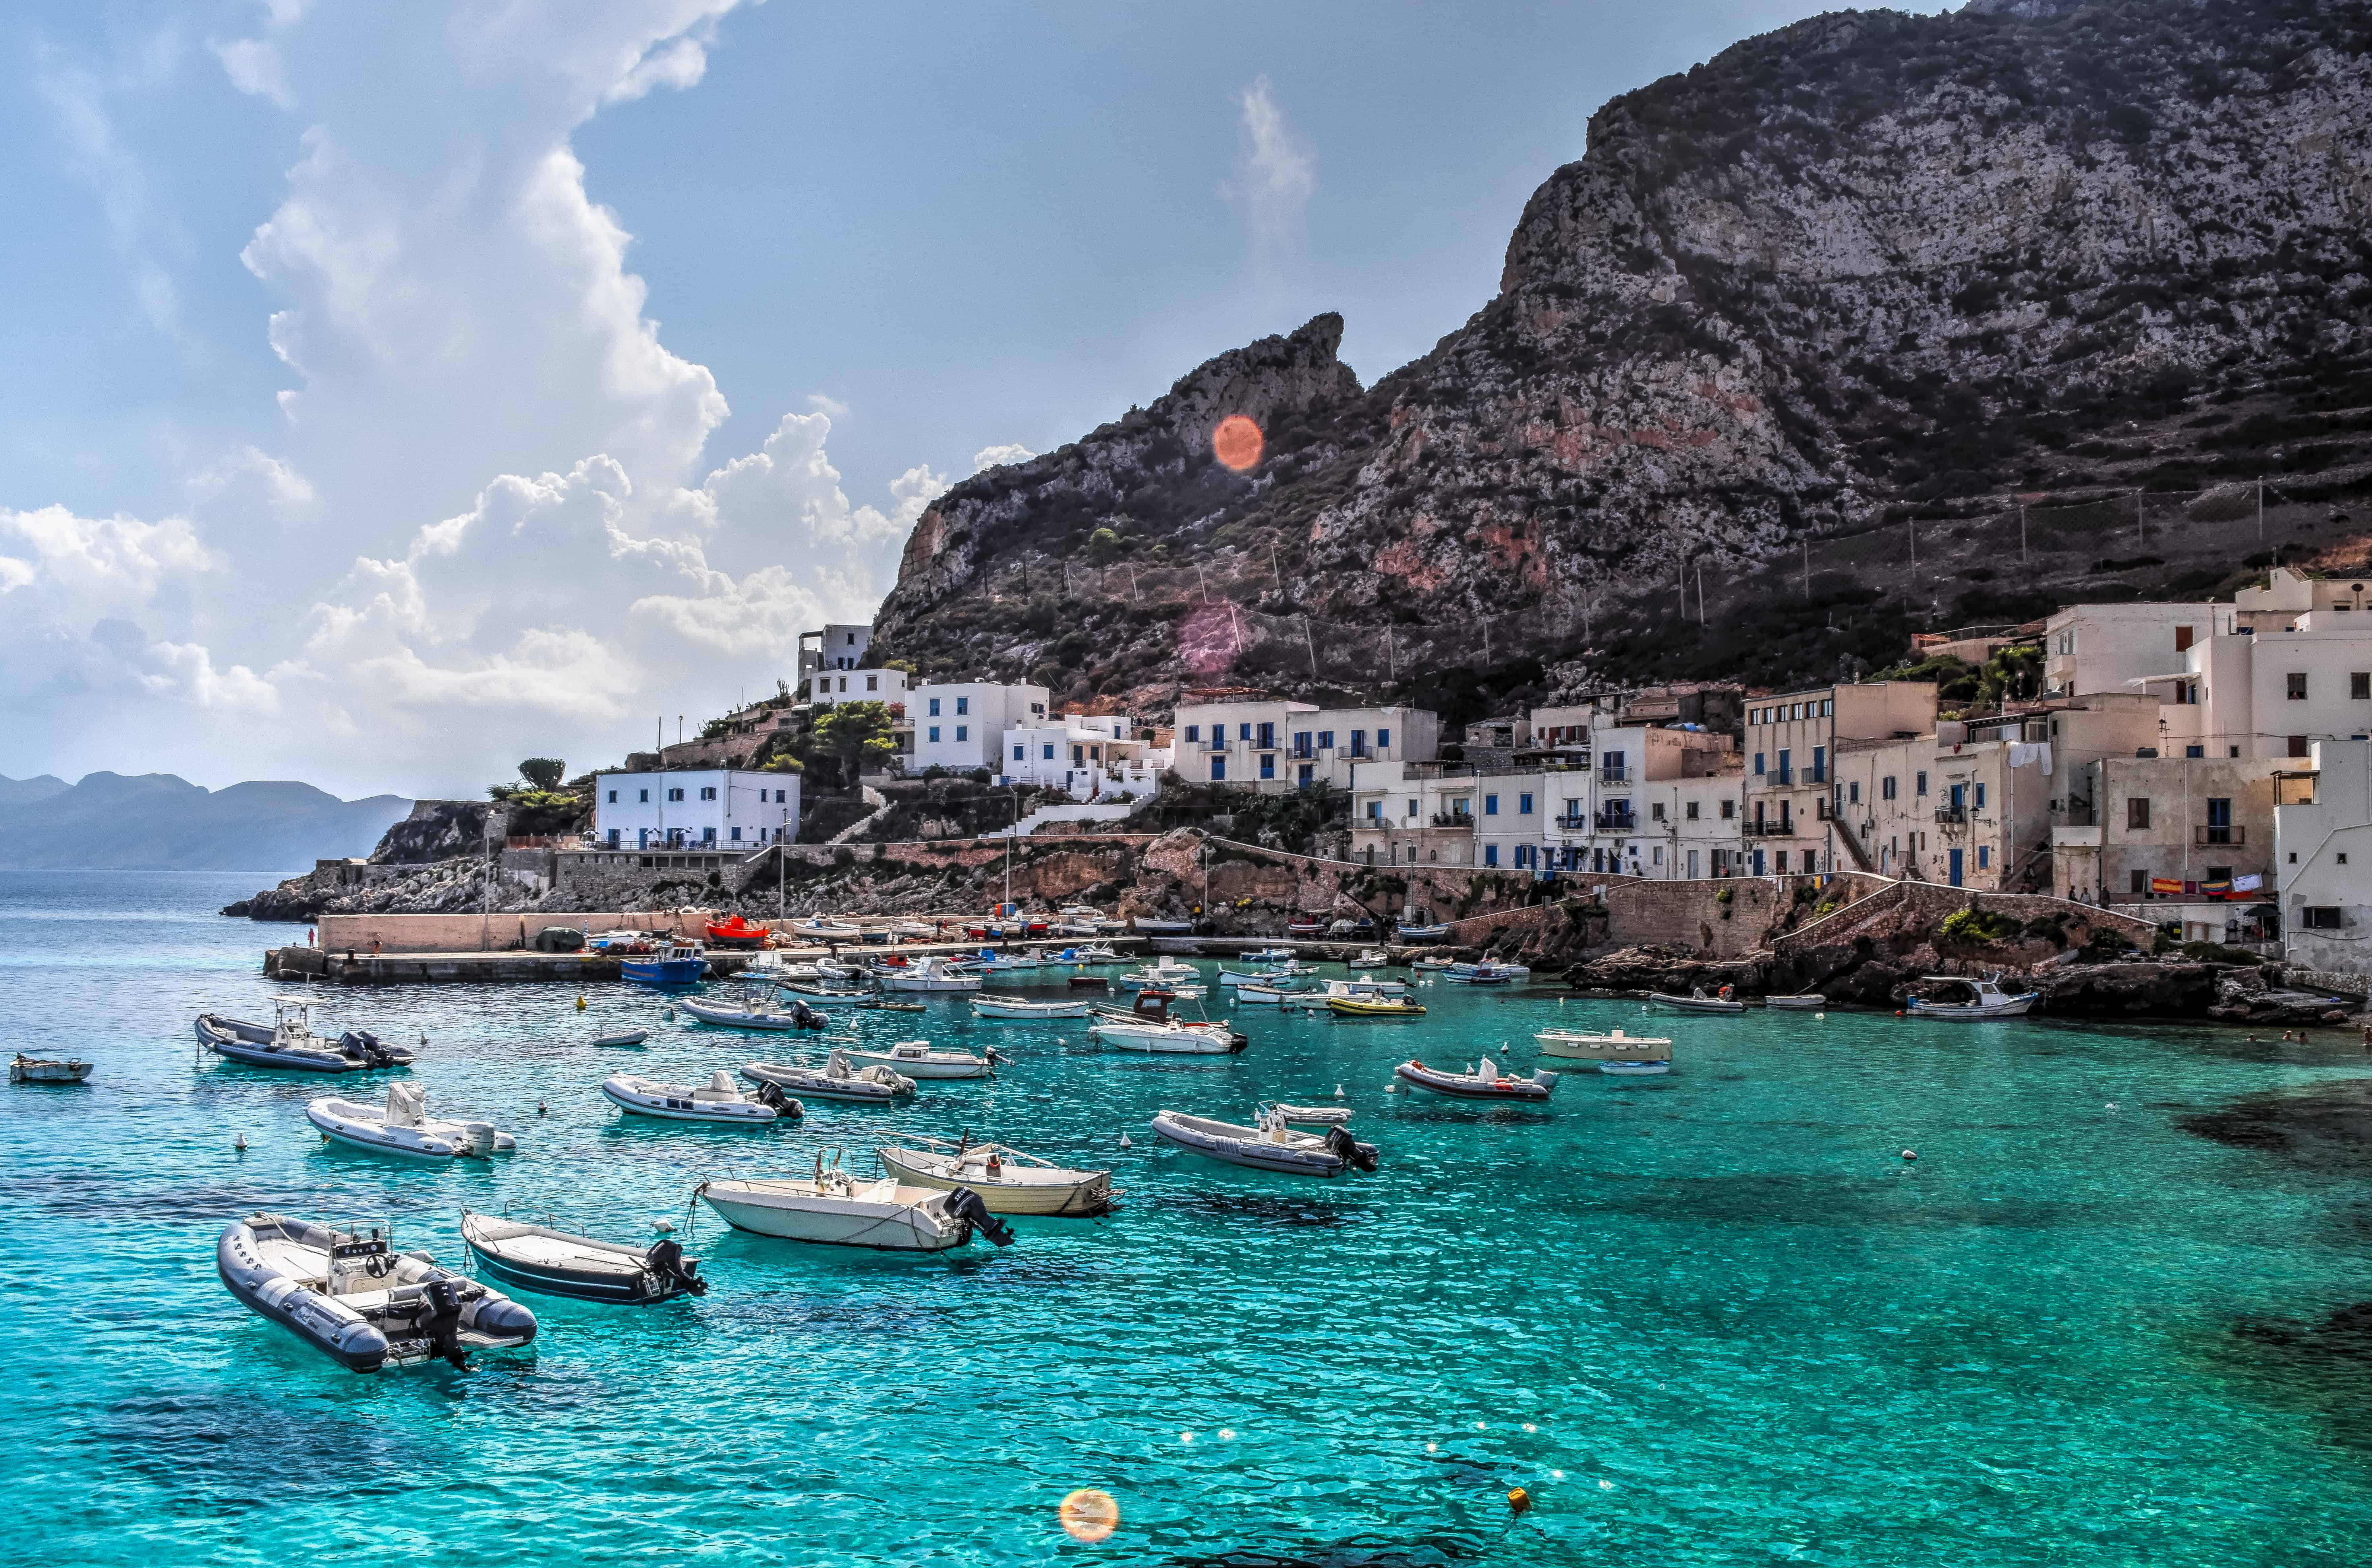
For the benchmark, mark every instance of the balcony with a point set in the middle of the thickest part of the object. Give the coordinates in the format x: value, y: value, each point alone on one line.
x: 1816, y: 776
x: 1951, y: 816
x: 1756, y: 828
x: 1453, y: 820
x: 1573, y: 821
x: 1617, y: 822
x: 1614, y: 775
x: 1778, y: 776
x: 2218, y: 833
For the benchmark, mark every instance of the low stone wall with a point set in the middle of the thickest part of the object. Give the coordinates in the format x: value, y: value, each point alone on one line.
x: 472, y: 934
x: 1726, y: 917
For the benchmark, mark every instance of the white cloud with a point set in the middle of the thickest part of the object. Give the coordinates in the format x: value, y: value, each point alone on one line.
x: 998, y: 456
x: 1279, y: 174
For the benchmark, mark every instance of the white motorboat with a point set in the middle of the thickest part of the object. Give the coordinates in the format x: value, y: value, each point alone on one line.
x: 1272, y: 1145
x: 816, y: 928
x: 841, y: 970
x: 917, y: 1060
x: 1009, y: 1181
x: 1091, y: 953
x: 1312, y: 1115
x: 289, y: 1041
x: 985, y: 1005
x: 914, y: 930
x: 1167, y: 973
x: 1273, y: 994
x: 1433, y: 962
x: 838, y: 1210
x: 403, y: 1126
x: 1422, y: 933
x: 1698, y: 1002
x: 533, y: 1257
x: 622, y: 1038
x: 993, y: 962
x: 1149, y: 1027
x: 1370, y: 958
x: 767, y: 963
x: 1151, y: 925
x: 1486, y: 973
x: 1992, y: 1001
x: 755, y: 1013
x: 1610, y: 1051
x: 717, y: 1100
x: 838, y: 1078
x: 1268, y: 955
x: 1482, y: 1081
x: 931, y: 974
x: 26, y: 1069
x: 357, y: 1300
x: 1810, y: 1002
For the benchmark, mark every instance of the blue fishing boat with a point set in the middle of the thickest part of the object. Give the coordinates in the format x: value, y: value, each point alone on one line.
x: 677, y: 963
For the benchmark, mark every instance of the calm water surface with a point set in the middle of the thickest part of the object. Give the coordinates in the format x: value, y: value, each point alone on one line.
x: 1710, y: 1318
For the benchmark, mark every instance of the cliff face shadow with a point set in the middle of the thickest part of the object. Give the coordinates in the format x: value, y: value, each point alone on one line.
x: 2325, y: 1126
x: 2323, y: 1367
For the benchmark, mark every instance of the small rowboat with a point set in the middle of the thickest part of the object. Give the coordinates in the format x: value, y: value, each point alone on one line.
x: 985, y: 1005
x: 892, y: 1005
x: 1422, y: 933
x: 1433, y: 962
x: 552, y: 1262
x: 838, y: 1078
x: 736, y: 933
x: 817, y: 928
x: 1268, y: 955
x: 623, y: 1037
x: 1272, y: 1145
x: 839, y: 1210
x: 403, y: 1126
x: 717, y: 1100
x: 1374, y: 1006
x: 1698, y: 1002
x: 1612, y: 1051
x: 1992, y: 1001
x: 1369, y: 957
x: 1811, y: 1002
x: 1162, y: 975
x: 1484, y: 1082
x: 1007, y: 1180
x: 33, y: 1070
x: 753, y: 1014
x: 917, y: 1060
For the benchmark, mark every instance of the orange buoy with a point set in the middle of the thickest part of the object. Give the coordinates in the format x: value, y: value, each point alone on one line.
x: 1520, y: 1500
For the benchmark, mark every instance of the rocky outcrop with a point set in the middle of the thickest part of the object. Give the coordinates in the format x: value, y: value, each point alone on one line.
x: 1865, y: 266
x: 439, y: 830
x: 1673, y: 971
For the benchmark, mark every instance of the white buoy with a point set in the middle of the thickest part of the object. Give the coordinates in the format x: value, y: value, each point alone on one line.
x: 1338, y: 1092
x: 240, y: 1142
x: 1910, y: 1153
x: 663, y: 1226
x: 1124, y: 1141
x: 1393, y: 1087
x: 540, y: 1110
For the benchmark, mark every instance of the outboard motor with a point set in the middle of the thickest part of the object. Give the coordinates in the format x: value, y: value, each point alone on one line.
x: 808, y: 1017
x: 1355, y: 1154
x: 966, y: 1204
x: 676, y: 1273
x: 478, y: 1140
x: 443, y: 1325
x: 783, y: 1105
x: 364, y: 1047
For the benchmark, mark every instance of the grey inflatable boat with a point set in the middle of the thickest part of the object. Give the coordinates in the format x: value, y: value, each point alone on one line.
x: 355, y: 1299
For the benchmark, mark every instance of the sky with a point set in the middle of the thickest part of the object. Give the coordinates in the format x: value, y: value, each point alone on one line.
x: 397, y: 391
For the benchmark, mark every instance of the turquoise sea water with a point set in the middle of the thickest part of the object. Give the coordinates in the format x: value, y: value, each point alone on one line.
x: 1708, y: 1318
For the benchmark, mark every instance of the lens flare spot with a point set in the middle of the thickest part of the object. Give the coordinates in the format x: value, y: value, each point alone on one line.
x: 1530, y: 1427
x: 1477, y: 1426
x: 1089, y: 1515
x: 1185, y: 1437
x: 1237, y: 443
x: 1432, y: 1447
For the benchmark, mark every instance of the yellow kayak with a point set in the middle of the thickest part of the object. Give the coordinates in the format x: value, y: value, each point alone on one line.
x: 1374, y: 1006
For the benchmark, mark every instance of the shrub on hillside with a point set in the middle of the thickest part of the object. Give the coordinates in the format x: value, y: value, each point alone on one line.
x: 1975, y: 925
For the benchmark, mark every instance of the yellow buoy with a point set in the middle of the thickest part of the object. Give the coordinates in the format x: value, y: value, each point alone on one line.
x: 1520, y: 1500
x: 580, y: 1004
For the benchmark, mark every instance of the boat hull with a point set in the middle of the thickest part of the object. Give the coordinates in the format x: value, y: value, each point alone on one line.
x: 1456, y: 1085
x: 983, y: 1007
x: 1962, y: 1012
x: 913, y: 1068
x: 1080, y: 1200
x: 1229, y: 1145
x: 876, y: 1227
x: 663, y: 971
x: 489, y: 1320
x: 683, y: 1108
x: 738, y: 1018
x: 24, y: 1070
x: 1696, y: 1003
x: 1169, y: 1042
x: 618, y: 1276
x: 1796, y: 1004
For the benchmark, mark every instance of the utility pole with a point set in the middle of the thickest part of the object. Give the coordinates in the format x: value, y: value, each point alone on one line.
x: 1311, y: 641
x: 1910, y: 525
x: 487, y: 891
x: 1204, y: 581
x: 2261, y: 509
x: 1133, y: 592
x: 1807, y: 568
x: 1391, y: 657
x: 2021, y: 533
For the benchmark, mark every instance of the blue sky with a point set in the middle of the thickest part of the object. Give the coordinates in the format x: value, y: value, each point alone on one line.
x: 397, y: 390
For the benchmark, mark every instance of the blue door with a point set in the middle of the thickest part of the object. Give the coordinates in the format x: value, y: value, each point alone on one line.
x: 1956, y: 867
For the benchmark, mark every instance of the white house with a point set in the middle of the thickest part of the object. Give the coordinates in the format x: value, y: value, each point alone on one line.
x: 959, y: 725
x: 1098, y: 755
x: 1275, y: 745
x: 828, y: 687
x: 2322, y: 858
x: 702, y: 806
x: 834, y: 647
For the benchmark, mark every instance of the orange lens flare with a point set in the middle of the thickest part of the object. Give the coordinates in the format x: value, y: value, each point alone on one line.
x: 1237, y: 442
x: 1089, y: 1514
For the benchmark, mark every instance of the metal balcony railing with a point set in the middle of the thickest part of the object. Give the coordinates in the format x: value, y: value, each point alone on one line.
x: 1614, y: 775
x: 2212, y: 833
x: 1816, y: 776
x: 1453, y: 820
x: 1950, y: 815
x: 1617, y: 822
x: 1756, y: 827
x: 1780, y: 777
x: 1573, y: 821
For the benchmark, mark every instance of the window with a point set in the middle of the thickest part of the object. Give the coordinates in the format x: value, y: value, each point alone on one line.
x: 1301, y: 743
x: 2297, y: 685
x: 1689, y: 811
x: 2340, y: 857
x: 1758, y: 765
x: 1325, y: 740
x: 1268, y: 764
x: 708, y: 835
x: 1886, y: 787
x: 1374, y: 811
x: 1985, y: 856
x: 1383, y: 740
x: 934, y: 711
x: 1490, y: 806
x: 1656, y: 811
x: 844, y: 684
x: 1078, y: 755
x: 873, y: 683
x: 935, y: 731
x: 1981, y: 798
x: 1193, y: 732
x: 1244, y: 732
x: 1020, y: 753
x: 1729, y: 809
x: 1049, y: 749
x: 2298, y: 746
x: 1267, y: 736
x: 2200, y: 752
x: 963, y: 705
x: 675, y: 795
x: 1828, y: 707
x: 2320, y: 917
x: 1305, y: 775
x: 613, y: 797
x: 2137, y: 812
x: 1358, y: 743
x: 736, y: 835
x: 963, y: 731
x: 1490, y: 854
x: 1523, y: 805
x: 1412, y: 810
x: 1219, y: 768
x: 1919, y: 783
x: 1779, y: 861
x: 645, y: 795
x: 2181, y: 638
x: 708, y: 792
x: 782, y: 797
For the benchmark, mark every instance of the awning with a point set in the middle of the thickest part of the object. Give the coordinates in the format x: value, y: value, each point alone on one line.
x: 2177, y: 674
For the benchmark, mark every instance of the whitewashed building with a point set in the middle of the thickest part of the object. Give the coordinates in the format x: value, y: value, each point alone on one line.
x: 714, y: 806
x: 959, y: 725
x: 834, y: 647
x: 828, y: 686
x: 2322, y: 843
x: 1095, y: 757
x: 1275, y: 745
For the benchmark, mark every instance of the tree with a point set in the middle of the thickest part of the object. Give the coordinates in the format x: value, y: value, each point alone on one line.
x: 854, y: 736
x: 544, y: 773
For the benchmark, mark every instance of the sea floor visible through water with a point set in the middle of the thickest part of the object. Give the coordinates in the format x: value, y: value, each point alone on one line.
x: 2112, y: 1312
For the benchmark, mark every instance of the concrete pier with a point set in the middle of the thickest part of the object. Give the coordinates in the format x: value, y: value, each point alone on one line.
x: 339, y: 968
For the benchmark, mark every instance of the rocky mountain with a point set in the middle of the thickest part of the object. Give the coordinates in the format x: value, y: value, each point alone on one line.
x: 1867, y: 271
x: 158, y: 822
x: 24, y: 791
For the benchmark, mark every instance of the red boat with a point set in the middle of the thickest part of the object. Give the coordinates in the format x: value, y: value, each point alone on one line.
x: 736, y: 933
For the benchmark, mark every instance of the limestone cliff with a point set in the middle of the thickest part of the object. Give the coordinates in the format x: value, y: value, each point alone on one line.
x: 1865, y: 266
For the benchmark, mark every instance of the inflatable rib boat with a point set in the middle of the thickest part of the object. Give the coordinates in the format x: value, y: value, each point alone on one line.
x: 355, y: 1299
